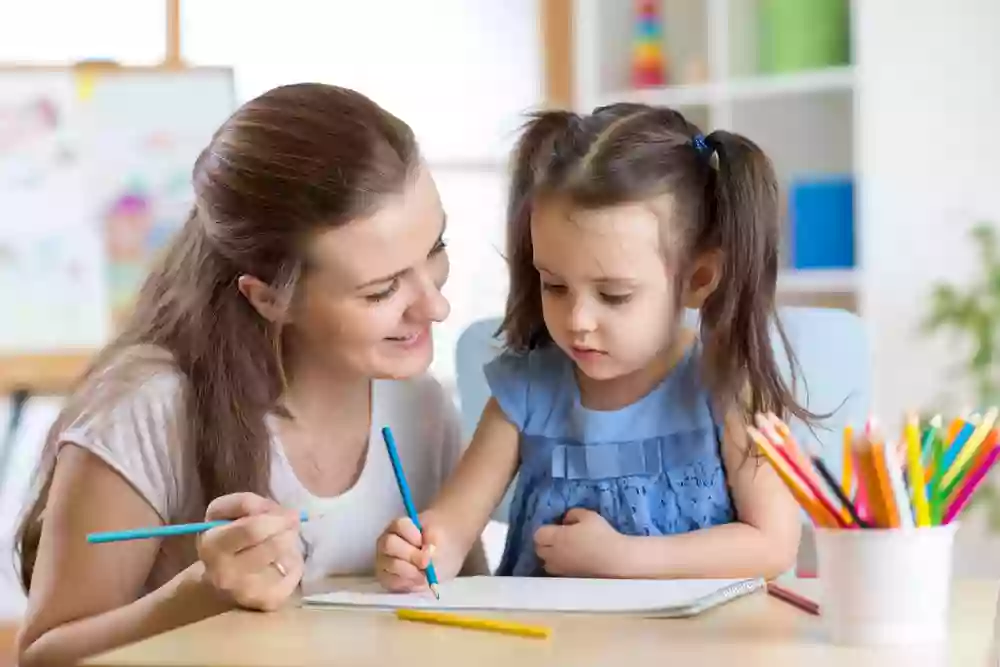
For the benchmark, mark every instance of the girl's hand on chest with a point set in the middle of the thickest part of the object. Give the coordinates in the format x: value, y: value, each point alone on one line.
x: 583, y: 545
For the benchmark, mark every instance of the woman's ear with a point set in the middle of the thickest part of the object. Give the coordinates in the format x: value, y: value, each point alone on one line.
x: 703, y: 279
x: 262, y: 297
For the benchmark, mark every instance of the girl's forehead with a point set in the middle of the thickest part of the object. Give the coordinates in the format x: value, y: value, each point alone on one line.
x: 615, y: 240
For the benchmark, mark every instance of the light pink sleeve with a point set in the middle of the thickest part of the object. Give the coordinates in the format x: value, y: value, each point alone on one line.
x: 132, y: 419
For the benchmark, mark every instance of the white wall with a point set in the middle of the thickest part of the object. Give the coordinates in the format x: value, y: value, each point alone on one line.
x: 929, y: 81
x: 460, y: 72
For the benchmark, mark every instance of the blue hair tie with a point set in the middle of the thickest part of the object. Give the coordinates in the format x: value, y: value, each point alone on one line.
x: 699, y: 143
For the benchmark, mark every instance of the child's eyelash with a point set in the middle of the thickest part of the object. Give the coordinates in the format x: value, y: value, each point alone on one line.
x: 439, y: 246
x: 616, y: 299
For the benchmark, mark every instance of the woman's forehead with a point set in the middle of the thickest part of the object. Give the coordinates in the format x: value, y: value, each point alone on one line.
x: 397, y: 236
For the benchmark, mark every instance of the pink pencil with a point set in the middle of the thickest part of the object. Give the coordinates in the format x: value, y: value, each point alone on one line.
x: 974, y: 480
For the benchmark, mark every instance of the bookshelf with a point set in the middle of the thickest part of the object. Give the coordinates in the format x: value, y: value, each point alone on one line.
x: 804, y: 119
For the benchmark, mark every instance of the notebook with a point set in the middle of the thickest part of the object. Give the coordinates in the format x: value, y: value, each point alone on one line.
x: 664, y: 599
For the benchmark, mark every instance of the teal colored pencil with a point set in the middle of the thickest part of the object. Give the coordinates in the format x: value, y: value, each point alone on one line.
x: 411, y: 510
x: 171, y: 530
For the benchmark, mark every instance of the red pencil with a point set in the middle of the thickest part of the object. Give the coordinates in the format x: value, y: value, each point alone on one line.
x: 793, y: 598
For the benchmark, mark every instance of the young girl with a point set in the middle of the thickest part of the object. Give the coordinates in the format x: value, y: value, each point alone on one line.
x: 626, y: 429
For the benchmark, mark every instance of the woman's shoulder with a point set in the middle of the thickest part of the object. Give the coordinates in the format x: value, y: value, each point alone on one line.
x: 136, y: 376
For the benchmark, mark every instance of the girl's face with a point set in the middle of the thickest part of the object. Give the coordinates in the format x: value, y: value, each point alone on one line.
x: 373, y: 289
x: 608, y: 297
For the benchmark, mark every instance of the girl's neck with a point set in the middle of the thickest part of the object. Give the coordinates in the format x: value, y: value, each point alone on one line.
x: 620, y: 392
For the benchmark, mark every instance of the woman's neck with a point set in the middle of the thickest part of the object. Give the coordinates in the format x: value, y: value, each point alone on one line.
x: 321, y: 399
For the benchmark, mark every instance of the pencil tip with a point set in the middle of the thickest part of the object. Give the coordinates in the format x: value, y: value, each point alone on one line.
x: 437, y: 593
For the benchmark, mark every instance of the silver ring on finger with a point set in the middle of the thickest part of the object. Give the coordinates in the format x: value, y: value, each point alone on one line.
x: 280, y: 568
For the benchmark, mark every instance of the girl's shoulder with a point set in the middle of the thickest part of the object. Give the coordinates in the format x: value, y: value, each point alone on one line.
x: 531, y: 380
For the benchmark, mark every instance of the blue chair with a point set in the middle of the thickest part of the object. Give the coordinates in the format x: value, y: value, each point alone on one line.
x: 835, y: 375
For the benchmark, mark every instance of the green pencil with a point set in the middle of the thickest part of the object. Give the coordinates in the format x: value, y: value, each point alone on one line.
x: 934, y: 491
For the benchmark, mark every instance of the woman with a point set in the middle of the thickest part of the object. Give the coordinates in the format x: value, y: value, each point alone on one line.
x: 287, y: 323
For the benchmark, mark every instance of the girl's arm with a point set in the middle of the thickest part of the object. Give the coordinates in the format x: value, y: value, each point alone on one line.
x: 455, y: 521
x: 763, y: 542
x: 475, y: 489
x: 83, y: 597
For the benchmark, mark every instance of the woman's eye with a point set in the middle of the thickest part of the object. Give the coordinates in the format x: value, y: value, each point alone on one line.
x: 553, y: 289
x: 385, y: 294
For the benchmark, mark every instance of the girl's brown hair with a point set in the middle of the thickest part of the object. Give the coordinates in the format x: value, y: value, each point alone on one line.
x: 293, y: 162
x: 723, y: 196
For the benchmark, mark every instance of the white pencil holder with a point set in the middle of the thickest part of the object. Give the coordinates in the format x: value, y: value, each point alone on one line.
x: 885, y: 586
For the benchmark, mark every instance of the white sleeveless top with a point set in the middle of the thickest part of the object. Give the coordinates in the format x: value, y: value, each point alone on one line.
x: 133, y: 422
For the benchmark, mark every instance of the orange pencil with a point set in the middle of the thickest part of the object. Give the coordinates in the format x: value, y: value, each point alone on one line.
x: 802, y: 496
x: 885, y: 484
x: 868, y: 477
x: 815, y: 490
x: 781, y: 437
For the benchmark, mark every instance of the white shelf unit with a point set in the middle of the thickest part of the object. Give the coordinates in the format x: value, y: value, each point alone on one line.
x: 804, y: 120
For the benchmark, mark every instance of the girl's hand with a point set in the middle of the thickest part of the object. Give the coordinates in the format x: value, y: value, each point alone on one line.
x: 403, y: 553
x: 255, y: 561
x: 584, y: 545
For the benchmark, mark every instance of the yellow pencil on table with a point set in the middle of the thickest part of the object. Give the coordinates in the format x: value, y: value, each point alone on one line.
x: 487, y: 624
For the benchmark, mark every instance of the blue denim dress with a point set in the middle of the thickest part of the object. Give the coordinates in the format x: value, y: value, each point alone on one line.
x: 650, y: 468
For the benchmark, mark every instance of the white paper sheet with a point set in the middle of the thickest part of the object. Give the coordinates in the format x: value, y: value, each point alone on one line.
x: 657, y: 598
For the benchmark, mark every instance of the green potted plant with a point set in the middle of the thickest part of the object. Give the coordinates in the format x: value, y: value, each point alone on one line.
x: 972, y: 314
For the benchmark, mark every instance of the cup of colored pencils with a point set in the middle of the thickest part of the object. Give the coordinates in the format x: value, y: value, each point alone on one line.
x: 885, y: 528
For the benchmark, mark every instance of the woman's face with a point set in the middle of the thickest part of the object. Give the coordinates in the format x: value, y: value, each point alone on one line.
x: 372, y: 288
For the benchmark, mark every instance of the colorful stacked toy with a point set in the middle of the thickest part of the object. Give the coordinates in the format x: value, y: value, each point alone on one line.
x: 648, y: 62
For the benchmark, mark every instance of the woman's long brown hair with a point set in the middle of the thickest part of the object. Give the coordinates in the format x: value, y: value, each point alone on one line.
x: 295, y: 161
x: 723, y: 197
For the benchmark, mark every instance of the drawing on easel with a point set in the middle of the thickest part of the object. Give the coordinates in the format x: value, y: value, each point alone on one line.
x: 34, y: 141
x: 95, y: 178
x: 49, y: 258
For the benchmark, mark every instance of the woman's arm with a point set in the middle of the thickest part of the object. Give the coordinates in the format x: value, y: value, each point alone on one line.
x: 763, y: 542
x: 85, y: 598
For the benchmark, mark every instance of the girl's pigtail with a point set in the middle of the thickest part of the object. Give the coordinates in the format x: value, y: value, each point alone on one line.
x: 737, y: 319
x: 534, y: 155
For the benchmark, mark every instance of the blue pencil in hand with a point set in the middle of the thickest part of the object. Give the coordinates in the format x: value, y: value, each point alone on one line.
x: 404, y: 490
x: 161, y: 531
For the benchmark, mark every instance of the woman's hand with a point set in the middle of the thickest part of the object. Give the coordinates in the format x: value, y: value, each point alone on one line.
x: 256, y: 561
x: 403, y: 554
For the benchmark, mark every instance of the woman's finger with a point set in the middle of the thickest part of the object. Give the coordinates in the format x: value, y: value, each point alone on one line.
x: 262, y: 556
x: 238, y: 505
x: 247, y: 532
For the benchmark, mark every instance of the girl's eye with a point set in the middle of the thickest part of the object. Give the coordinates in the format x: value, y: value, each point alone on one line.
x: 438, y: 247
x: 554, y: 289
x: 385, y: 294
x: 616, y: 299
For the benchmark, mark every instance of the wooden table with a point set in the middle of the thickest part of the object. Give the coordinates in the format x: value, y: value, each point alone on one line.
x: 755, y: 630
x: 8, y: 635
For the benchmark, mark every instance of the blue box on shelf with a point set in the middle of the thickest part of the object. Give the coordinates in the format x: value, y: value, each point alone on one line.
x: 821, y: 216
